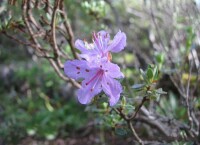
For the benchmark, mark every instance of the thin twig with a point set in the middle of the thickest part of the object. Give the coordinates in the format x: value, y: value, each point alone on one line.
x: 53, y: 28
x: 69, y: 30
x: 24, y: 16
x: 187, y: 96
x: 19, y: 41
x: 138, y: 108
x: 119, y: 112
x: 134, y: 133
x: 74, y: 83
x: 38, y: 46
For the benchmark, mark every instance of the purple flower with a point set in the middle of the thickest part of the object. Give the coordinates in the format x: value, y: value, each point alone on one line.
x: 96, y: 77
x: 96, y: 70
x: 101, y: 46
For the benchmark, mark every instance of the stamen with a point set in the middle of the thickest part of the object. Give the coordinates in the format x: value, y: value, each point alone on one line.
x: 101, y: 42
x: 94, y: 36
x: 97, y: 44
x: 78, y: 68
x: 87, y: 70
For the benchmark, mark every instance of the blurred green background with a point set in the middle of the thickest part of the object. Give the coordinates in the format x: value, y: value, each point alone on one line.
x: 36, y: 106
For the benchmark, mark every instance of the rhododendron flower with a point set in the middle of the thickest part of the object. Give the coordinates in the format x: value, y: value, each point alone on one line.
x: 95, y: 69
x: 96, y: 77
x: 101, y: 46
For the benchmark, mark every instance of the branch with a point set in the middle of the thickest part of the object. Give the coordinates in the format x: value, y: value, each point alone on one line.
x: 68, y: 29
x: 62, y: 76
x: 138, y: 108
x: 53, y: 28
x: 187, y: 96
x: 154, y: 124
x: 19, y: 41
x: 128, y: 121
x: 134, y: 133
x: 26, y: 13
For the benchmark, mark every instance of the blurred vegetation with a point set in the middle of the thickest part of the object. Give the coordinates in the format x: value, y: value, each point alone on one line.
x: 162, y: 37
x: 33, y: 103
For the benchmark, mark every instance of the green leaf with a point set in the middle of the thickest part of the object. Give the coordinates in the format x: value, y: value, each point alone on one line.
x: 160, y: 91
x: 155, y: 73
x: 160, y: 57
x: 123, y: 102
x: 154, y: 97
x: 173, y: 101
x: 49, y: 83
x: 129, y: 107
x: 143, y: 74
x: 138, y: 86
x: 150, y: 74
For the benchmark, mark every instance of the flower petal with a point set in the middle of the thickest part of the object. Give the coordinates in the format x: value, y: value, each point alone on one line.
x: 89, y: 90
x: 80, y: 45
x: 118, y: 43
x: 112, y: 88
x: 77, y: 69
x: 89, y: 57
x: 88, y: 51
x: 105, y: 36
x: 113, y: 70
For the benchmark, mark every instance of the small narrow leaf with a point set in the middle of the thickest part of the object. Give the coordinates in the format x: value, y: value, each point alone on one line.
x: 150, y: 74
x: 155, y: 73
x: 138, y: 86
x: 160, y: 91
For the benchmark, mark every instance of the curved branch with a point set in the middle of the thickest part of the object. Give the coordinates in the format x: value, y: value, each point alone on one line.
x: 68, y: 29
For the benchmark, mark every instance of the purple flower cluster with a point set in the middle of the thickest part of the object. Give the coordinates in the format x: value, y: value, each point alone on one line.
x: 95, y: 67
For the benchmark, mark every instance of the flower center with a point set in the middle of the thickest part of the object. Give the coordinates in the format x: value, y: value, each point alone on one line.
x: 95, y: 77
